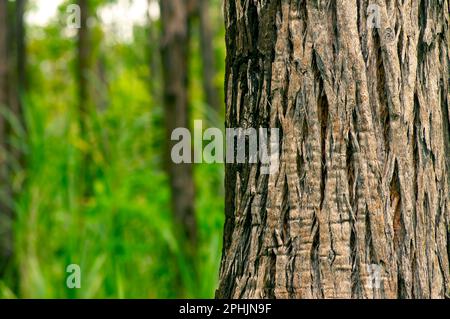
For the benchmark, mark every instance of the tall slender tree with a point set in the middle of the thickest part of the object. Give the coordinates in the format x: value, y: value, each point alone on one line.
x: 209, y: 68
x: 84, y: 58
x: 6, y: 211
x: 359, y: 207
x: 12, y: 86
x: 18, y: 77
x: 85, y: 92
x: 16, y: 59
x: 153, y: 51
x: 174, y: 54
x: 21, y: 45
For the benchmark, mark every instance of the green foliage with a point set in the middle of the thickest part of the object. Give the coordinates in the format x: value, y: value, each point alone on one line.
x: 122, y: 236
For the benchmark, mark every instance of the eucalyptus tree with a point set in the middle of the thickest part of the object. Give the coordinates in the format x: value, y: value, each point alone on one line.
x: 359, y: 207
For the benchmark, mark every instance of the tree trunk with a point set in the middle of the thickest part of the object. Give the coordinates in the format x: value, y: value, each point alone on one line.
x: 18, y: 76
x: 16, y: 57
x: 174, y: 49
x: 12, y: 86
x: 85, y: 95
x: 153, y: 54
x: 84, y: 57
x: 5, y: 182
x: 21, y: 48
x: 363, y: 181
x: 208, y: 59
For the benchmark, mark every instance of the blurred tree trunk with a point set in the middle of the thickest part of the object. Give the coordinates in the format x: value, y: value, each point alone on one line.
x: 84, y: 59
x: 153, y: 54
x: 21, y: 47
x: 85, y: 95
x: 362, y: 190
x: 174, y: 50
x: 12, y: 87
x: 199, y: 9
x: 19, y: 78
x: 6, y: 212
x: 101, y: 95
x: 208, y: 58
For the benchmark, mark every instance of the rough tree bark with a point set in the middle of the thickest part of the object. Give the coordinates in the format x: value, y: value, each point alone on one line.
x: 174, y: 55
x: 364, y: 168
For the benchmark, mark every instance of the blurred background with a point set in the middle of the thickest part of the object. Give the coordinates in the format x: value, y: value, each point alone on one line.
x: 84, y: 127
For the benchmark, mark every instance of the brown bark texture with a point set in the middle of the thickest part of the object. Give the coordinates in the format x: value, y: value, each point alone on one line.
x: 174, y: 54
x: 363, y: 179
